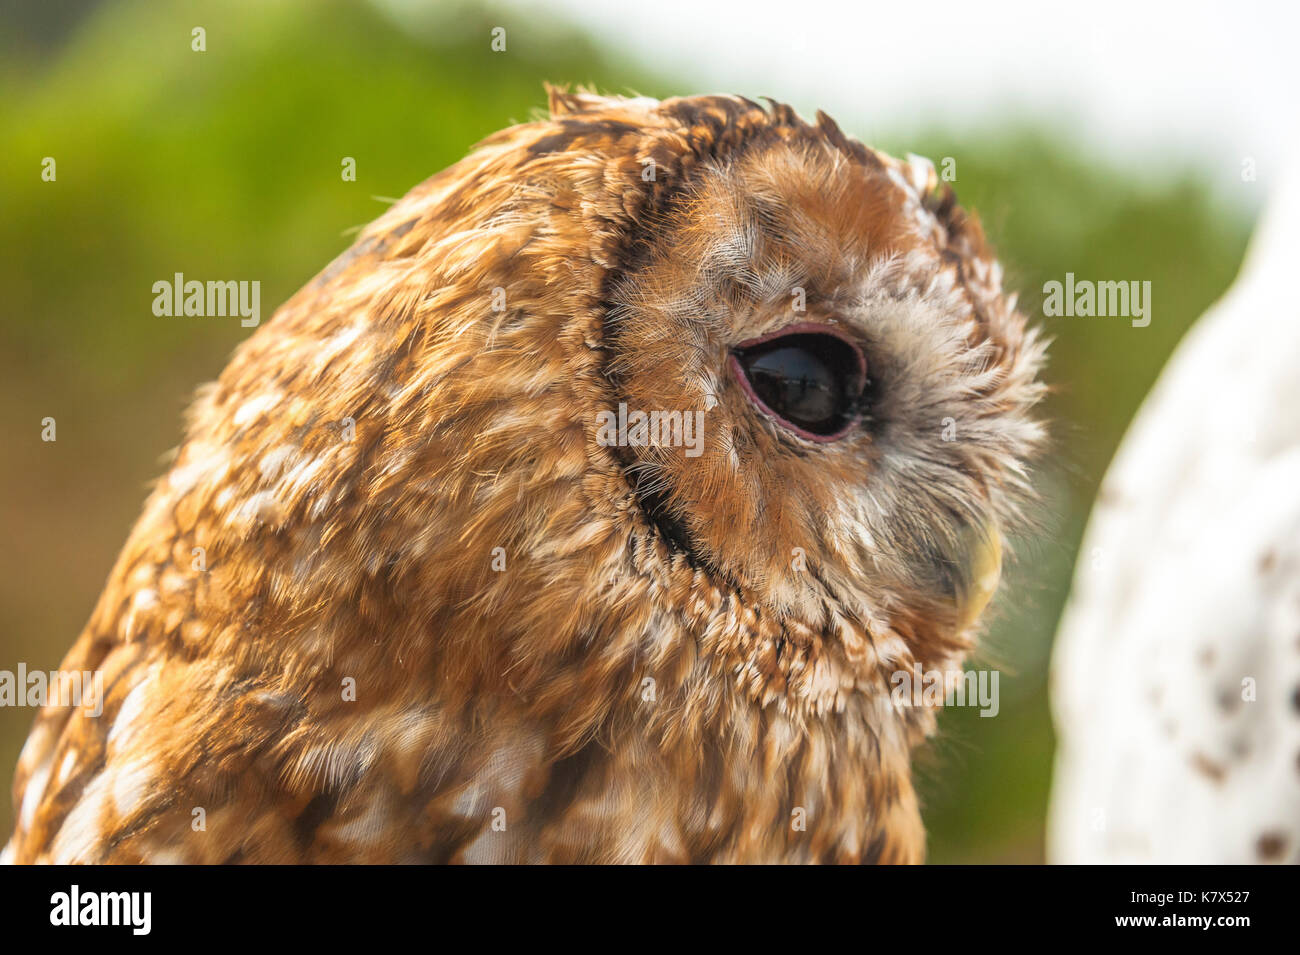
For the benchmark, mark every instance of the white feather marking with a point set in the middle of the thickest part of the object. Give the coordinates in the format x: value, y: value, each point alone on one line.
x: 131, y: 785
x: 255, y: 407
x: 81, y: 833
x: 124, y: 726
x: 32, y: 795
x: 65, y: 767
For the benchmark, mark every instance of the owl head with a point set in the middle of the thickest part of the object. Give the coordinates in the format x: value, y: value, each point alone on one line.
x: 691, y: 388
x: 868, y: 386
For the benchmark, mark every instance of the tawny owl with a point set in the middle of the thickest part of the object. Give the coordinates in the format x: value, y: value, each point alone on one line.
x: 1176, y: 677
x: 581, y: 511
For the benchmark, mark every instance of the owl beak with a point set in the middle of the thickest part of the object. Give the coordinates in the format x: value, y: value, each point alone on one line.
x: 984, y: 572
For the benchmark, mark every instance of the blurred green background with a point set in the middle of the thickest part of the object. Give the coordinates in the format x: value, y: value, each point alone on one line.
x: 226, y: 163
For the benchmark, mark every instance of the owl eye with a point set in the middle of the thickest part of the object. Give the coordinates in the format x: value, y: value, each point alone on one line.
x: 808, y: 378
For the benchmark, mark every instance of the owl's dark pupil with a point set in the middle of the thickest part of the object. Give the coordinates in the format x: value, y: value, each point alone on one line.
x: 796, y: 384
x: 808, y: 381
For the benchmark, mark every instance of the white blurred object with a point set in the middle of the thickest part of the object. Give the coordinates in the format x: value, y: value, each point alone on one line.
x: 1186, y: 600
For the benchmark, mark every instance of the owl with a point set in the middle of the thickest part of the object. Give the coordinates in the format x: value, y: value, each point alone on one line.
x: 581, y: 512
x: 1186, y: 602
